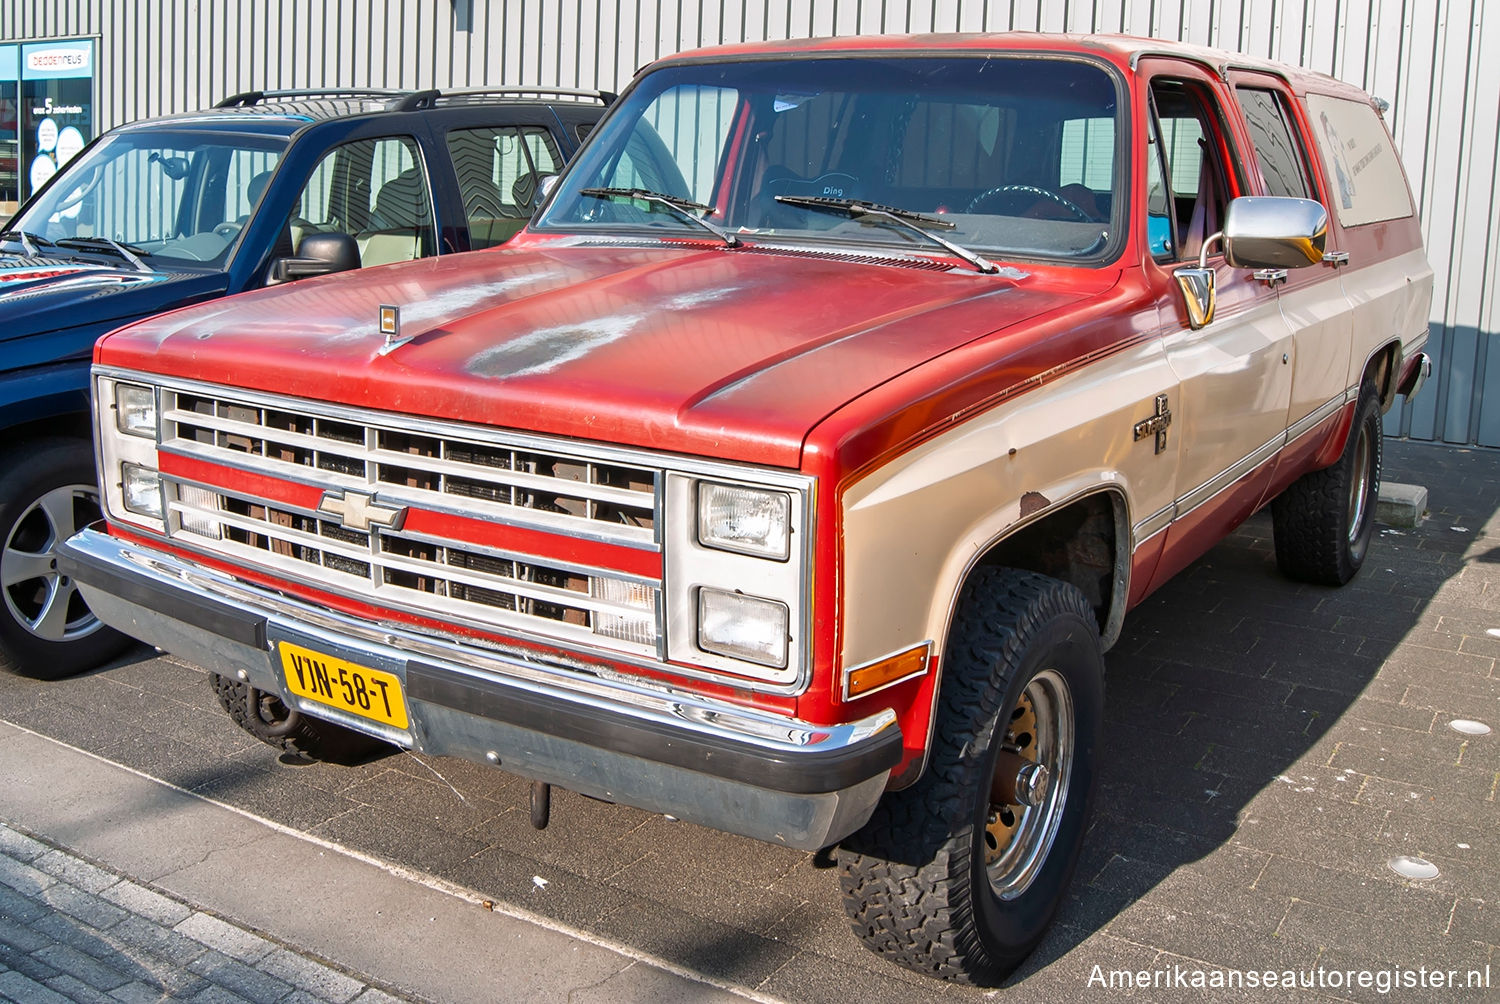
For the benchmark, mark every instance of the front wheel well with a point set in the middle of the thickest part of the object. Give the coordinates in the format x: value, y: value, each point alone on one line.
x: 1080, y: 543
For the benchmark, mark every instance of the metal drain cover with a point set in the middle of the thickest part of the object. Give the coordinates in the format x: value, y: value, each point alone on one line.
x: 1413, y: 868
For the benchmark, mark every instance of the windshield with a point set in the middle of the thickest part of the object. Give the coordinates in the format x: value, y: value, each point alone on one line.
x: 1018, y: 153
x: 181, y: 197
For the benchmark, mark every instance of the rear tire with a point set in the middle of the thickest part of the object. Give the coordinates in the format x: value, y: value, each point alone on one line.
x: 268, y: 719
x: 48, y: 492
x: 959, y: 875
x: 1325, y: 519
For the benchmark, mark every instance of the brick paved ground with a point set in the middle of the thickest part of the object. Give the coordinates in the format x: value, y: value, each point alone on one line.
x: 1270, y: 746
x: 72, y: 931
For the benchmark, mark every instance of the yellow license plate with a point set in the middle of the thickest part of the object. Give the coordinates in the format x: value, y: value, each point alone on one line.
x: 359, y: 690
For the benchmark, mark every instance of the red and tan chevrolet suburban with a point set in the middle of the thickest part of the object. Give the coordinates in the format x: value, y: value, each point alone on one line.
x: 792, y: 471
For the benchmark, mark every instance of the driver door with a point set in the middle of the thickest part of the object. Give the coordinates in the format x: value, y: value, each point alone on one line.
x: 1236, y: 372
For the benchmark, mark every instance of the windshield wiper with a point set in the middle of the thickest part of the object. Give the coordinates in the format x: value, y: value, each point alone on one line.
x: 683, y: 208
x: 26, y: 239
x: 129, y: 252
x: 857, y: 209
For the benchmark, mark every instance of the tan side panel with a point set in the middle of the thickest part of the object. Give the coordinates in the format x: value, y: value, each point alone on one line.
x: 1318, y: 313
x: 912, y: 528
x: 1235, y: 384
x: 1390, y: 298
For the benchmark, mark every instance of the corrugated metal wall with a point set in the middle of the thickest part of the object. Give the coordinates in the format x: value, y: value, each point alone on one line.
x: 1425, y: 56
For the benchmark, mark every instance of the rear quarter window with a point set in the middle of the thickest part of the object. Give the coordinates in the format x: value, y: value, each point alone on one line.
x: 1366, y: 183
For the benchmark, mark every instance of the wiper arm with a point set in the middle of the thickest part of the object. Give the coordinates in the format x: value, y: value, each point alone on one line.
x: 857, y: 209
x: 683, y: 208
x: 26, y: 239
x: 129, y: 252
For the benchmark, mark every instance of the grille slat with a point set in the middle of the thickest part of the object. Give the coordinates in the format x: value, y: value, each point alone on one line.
x: 494, y: 481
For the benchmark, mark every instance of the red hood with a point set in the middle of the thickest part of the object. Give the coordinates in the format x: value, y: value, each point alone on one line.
x: 732, y: 354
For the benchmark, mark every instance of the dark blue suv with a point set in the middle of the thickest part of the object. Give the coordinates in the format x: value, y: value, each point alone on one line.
x: 263, y: 188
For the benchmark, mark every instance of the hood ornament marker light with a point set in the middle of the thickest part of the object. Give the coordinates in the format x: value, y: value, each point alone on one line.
x: 390, y: 327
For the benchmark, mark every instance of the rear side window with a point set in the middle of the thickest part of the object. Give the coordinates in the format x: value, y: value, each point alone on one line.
x: 500, y: 171
x: 1276, y: 147
x: 1363, y: 170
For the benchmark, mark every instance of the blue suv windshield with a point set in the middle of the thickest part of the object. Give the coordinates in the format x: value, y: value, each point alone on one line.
x: 179, y: 196
x: 1018, y: 156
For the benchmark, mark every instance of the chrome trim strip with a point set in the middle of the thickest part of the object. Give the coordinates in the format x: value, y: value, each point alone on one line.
x: 1224, y: 480
x: 1152, y: 525
x: 1317, y: 417
x: 535, y: 519
x: 583, y: 682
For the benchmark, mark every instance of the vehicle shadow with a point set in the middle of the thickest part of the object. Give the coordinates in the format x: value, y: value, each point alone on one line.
x: 1270, y: 746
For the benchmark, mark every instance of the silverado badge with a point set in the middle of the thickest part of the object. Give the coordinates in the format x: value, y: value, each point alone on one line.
x: 1156, y: 424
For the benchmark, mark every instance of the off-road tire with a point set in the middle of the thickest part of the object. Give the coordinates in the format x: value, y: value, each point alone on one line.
x: 31, y: 643
x: 916, y: 884
x: 274, y: 724
x: 1322, y: 530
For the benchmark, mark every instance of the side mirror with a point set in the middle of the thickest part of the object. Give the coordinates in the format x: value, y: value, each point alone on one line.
x: 1264, y: 232
x: 1260, y: 232
x: 319, y: 254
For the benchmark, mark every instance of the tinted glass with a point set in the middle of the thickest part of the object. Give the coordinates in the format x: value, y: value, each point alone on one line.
x: 499, y: 177
x: 182, y: 197
x: 1279, y: 153
x: 1020, y: 154
x: 376, y: 191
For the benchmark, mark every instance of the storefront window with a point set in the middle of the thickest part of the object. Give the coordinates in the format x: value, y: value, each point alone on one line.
x: 57, y: 106
x: 10, y: 83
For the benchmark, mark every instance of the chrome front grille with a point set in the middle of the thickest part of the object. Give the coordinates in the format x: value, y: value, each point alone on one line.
x: 615, y: 501
x: 436, y: 469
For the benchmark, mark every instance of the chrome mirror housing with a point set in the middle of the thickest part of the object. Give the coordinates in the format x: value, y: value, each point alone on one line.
x: 1267, y: 232
x: 1198, y: 295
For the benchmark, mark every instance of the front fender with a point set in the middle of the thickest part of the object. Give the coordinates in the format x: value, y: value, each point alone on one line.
x: 39, y: 393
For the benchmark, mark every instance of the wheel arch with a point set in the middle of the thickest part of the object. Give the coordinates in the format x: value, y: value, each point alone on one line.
x: 1029, y: 544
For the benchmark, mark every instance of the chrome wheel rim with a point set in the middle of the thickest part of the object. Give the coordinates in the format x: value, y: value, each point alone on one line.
x: 1359, y: 484
x: 39, y: 598
x: 1040, y: 737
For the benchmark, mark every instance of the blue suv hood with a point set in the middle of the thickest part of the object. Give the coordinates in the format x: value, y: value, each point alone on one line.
x: 40, y: 295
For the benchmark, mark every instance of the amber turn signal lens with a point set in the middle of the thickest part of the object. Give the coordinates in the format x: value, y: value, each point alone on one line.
x: 865, y: 679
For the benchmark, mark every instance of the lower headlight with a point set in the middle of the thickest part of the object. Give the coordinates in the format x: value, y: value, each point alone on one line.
x: 141, y: 490
x: 742, y: 627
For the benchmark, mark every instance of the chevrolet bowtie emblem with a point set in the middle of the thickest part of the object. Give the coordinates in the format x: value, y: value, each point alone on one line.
x: 359, y: 511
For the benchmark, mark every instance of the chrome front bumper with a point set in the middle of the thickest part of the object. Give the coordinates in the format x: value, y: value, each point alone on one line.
x: 720, y: 765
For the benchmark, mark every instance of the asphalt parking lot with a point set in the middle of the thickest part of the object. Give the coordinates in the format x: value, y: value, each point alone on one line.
x: 1270, y: 748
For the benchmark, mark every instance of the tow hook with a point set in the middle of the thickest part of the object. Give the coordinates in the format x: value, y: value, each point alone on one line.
x: 541, y: 804
x: 261, y: 706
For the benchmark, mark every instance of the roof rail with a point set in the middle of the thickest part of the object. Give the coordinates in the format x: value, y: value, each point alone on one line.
x: 428, y: 98
x: 248, y: 98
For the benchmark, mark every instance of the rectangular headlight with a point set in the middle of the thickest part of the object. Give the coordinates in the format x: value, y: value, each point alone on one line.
x: 141, y: 490
x: 135, y: 410
x: 745, y: 520
x: 742, y: 627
